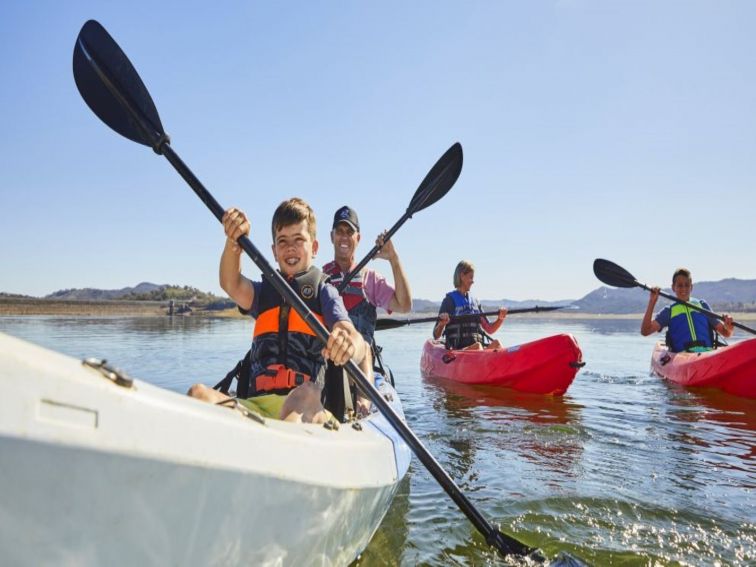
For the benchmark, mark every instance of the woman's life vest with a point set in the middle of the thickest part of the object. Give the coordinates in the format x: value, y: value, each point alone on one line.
x: 688, y: 328
x: 466, y: 332
x: 362, y: 313
x: 285, y: 351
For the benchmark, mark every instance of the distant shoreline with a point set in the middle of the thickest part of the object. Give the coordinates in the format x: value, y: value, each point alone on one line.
x: 90, y: 308
x: 118, y: 308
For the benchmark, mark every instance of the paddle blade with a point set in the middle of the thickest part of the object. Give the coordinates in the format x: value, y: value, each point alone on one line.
x: 612, y: 274
x: 111, y: 87
x: 439, y: 180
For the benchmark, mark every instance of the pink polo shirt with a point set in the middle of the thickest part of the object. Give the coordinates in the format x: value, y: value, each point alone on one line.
x: 377, y: 289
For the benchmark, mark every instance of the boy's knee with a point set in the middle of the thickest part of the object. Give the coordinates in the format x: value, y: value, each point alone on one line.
x: 303, y: 402
x: 197, y: 391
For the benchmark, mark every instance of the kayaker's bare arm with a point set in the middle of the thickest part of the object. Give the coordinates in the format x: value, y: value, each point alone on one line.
x: 438, y: 329
x: 490, y: 327
x: 725, y: 327
x: 648, y: 325
x: 401, y: 302
x: 238, y: 288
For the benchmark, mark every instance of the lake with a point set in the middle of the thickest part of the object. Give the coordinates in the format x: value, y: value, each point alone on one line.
x: 623, y: 469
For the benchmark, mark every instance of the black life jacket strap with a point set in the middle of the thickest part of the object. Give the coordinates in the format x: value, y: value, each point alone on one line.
x: 283, y: 333
x: 487, y: 339
x: 241, y: 372
x: 379, y: 367
x: 224, y: 385
x: 719, y: 341
x: 337, y: 394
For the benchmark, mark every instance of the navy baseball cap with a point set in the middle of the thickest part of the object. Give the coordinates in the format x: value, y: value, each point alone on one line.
x: 347, y: 215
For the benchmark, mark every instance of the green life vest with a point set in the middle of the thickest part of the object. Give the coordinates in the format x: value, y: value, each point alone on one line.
x: 689, y: 329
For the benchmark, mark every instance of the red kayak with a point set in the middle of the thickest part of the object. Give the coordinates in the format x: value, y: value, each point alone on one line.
x: 545, y: 366
x: 731, y: 368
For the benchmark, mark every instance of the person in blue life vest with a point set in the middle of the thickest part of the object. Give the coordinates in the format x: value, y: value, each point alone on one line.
x: 469, y: 333
x: 367, y: 290
x: 688, y: 329
x: 287, y: 358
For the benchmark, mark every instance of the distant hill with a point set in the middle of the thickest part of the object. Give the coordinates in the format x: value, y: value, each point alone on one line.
x: 729, y: 292
x: 92, y: 294
x: 725, y: 295
x: 4, y: 295
x: 617, y: 301
x: 144, y: 291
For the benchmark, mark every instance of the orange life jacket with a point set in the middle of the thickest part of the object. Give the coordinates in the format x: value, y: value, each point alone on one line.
x: 285, y: 351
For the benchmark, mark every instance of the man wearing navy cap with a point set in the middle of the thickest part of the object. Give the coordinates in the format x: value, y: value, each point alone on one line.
x: 367, y: 290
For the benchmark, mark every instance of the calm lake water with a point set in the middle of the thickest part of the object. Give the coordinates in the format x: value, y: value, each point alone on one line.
x: 625, y: 469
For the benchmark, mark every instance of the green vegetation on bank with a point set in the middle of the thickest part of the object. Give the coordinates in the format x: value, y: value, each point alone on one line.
x: 147, y: 292
x: 185, y: 294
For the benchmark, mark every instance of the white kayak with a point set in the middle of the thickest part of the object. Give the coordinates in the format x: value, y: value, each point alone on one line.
x: 99, y: 470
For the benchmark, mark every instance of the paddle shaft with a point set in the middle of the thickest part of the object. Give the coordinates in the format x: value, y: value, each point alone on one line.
x: 470, y: 316
x: 394, y: 323
x: 493, y: 536
x: 697, y: 308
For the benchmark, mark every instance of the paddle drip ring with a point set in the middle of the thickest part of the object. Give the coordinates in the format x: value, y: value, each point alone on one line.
x: 157, y: 147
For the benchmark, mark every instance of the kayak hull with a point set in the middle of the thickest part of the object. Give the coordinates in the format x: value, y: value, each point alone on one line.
x: 100, y: 474
x: 731, y: 369
x: 545, y: 366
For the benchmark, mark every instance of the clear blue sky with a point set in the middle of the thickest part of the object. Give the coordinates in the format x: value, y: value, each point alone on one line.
x: 624, y: 130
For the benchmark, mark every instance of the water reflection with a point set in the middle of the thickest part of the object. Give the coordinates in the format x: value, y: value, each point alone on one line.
x: 391, y: 537
x: 538, y: 436
x: 720, y: 407
x: 721, y: 427
x: 462, y: 399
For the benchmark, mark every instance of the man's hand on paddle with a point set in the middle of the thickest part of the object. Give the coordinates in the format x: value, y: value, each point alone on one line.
x: 387, y: 250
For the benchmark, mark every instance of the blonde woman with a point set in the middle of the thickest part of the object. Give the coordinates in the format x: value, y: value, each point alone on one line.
x: 466, y: 333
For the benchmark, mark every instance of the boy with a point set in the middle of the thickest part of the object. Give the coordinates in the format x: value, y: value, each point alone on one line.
x: 689, y: 329
x: 287, y: 359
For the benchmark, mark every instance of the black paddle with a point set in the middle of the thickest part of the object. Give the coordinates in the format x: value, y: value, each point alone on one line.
x: 617, y: 276
x: 113, y: 90
x: 436, y: 184
x: 388, y: 323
